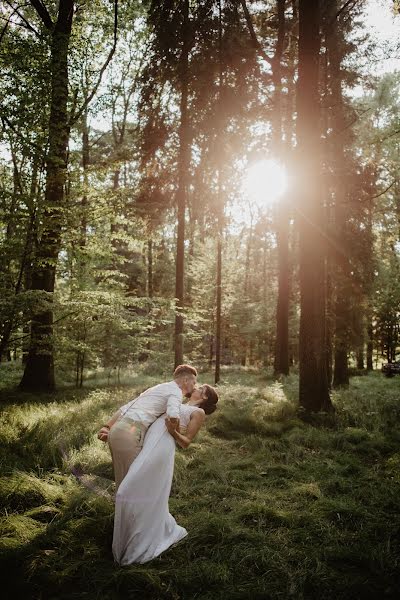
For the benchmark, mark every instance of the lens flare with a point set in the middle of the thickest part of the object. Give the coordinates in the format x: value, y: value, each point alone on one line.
x: 265, y: 182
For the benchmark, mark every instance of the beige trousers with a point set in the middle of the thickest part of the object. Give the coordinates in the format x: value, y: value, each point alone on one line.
x: 125, y: 439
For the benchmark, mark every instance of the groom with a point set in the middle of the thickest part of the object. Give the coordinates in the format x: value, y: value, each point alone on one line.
x: 127, y: 427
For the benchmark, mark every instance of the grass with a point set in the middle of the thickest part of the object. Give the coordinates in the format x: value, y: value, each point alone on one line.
x: 276, y: 508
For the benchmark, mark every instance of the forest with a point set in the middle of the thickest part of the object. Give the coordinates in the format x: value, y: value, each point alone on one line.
x: 211, y: 182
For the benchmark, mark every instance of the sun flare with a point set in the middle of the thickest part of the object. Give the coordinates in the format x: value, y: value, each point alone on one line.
x: 265, y: 182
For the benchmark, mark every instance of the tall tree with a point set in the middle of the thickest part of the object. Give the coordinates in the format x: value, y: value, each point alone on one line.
x: 335, y: 46
x: 313, y: 391
x: 218, y: 316
x: 39, y: 368
x: 281, y: 363
x: 183, y: 174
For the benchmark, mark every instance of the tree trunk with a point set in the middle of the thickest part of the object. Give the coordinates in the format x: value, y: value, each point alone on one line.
x: 27, y: 275
x: 281, y: 362
x: 313, y: 390
x: 244, y: 360
x: 150, y: 268
x: 360, y: 358
x: 341, y: 282
x: 220, y: 220
x: 8, y: 325
x: 210, y: 351
x: 329, y: 322
x: 39, y: 368
x: 370, y: 348
x: 83, y: 226
x: 265, y: 288
x: 219, y: 304
x: 328, y: 219
x: 340, y: 371
x: 183, y: 168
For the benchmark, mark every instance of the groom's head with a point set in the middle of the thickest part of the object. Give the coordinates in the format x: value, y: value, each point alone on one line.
x: 185, y: 377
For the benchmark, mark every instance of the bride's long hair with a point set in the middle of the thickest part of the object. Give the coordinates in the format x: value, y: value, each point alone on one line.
x: 209, y: 404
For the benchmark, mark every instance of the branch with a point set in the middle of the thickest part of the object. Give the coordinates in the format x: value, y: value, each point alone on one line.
x: 98, y: 139
x: 383, y: 139
x: 75, y: 117
x: 384, y: 191
x: 253, y: 36
x: 5, y: 121
x: 43, y: 13
x: 16, y: 25
x: 28, y: 25
x: 22, y: 337
x: 354, y: 120
x: 345, y: 5
x: 2, y: 34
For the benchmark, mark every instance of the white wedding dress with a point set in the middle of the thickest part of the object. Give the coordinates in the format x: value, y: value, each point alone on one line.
x: 143, y: 526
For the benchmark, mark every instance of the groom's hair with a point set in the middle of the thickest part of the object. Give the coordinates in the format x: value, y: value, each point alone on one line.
x: 182, y: 370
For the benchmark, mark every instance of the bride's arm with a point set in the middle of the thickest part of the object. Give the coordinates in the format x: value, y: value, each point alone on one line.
x: 196, y: 421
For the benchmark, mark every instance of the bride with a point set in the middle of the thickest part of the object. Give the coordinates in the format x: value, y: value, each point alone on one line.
x: 143, y: 526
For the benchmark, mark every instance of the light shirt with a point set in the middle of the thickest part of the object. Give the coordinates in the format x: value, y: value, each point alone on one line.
x: 146, y: 408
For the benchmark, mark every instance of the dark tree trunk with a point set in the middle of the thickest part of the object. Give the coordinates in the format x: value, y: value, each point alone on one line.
x: 31, y: 250
x: 210, y: 351
x: 341, y: 282
x: 247, y: 272
x: 150, y: 268
x: 39, y: 368
x: 247, y: 293
x: 360, y: 358
x: 183, y: 168
x: 219, y: 303
x: 83, y: 226
x: 370, y: 348
x: 191, y: 253
x: 281, y: 365
x: 8, y: 325
x: 220, y: 220
x: 329, y: 322
x: 313, y: 390
x: 115, y: 227
x: 341, y: 371
x: 370, y: 211
x: 281, y: 362
x: 328, y: 219
x: 265, y: 284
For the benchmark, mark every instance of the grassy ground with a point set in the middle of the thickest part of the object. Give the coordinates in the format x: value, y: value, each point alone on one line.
x: 275, y: 507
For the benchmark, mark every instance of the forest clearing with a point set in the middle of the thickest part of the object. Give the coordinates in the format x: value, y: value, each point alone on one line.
x: 275, y: 507
x: 200, y: 193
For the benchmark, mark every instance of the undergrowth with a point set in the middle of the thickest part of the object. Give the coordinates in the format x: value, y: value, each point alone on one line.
x: 275, y: 507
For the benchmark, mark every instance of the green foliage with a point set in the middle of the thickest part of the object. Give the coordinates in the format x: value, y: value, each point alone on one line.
x: 113, y: 304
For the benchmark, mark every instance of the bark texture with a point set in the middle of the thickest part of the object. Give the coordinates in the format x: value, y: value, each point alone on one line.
x: 39, y: 368
x: 313, y: 391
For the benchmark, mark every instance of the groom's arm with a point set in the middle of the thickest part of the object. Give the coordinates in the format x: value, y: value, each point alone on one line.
x: 174, y: 409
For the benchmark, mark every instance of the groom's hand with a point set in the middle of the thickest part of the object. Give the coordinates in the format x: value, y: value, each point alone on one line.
x: 172, y: 424
x: 103, y: 434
